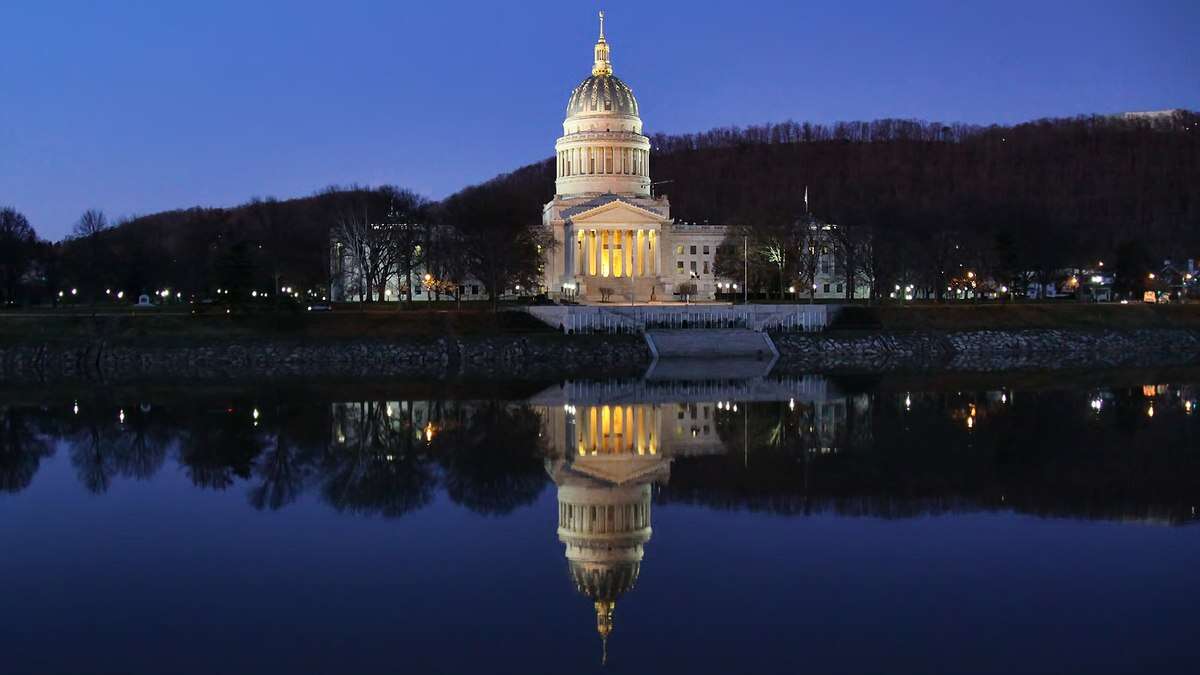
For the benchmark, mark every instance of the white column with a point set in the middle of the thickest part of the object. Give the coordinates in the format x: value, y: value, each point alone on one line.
x: 630, y: 245
x: 591, y: 242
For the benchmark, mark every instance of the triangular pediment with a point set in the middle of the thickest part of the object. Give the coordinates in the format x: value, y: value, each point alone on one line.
x: 616, y: 212
x: 621, y: 469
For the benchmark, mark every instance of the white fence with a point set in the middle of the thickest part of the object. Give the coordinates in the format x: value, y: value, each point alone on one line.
x: 587, y: 319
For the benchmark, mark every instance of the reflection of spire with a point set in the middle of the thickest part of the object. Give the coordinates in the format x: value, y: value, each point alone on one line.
x: 604, y: 626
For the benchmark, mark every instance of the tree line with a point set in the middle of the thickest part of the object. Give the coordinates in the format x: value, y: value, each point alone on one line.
x: 914, y: 203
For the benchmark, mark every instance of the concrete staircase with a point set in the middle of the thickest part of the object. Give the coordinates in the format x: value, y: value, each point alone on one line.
x: 711, y: 343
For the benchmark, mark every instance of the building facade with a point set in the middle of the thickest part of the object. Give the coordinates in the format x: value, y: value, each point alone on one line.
x: 614, y: 238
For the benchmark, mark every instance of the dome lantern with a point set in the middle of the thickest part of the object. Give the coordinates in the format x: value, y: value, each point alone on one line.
x: 603, y: 65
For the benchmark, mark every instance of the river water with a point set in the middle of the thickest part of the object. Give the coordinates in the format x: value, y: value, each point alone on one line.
x: 1000, y: 524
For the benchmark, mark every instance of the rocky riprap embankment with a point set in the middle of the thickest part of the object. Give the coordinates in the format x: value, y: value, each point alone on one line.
x: 553, y: 357
x: 519, y: 357
x: 986, y: 350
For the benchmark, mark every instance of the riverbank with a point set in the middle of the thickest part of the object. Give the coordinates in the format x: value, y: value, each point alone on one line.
x: 447, y: 345
x: 550, y: 356
x: 986, y: 350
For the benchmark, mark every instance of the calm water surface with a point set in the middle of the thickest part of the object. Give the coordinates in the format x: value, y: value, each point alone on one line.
x: 778, y: 525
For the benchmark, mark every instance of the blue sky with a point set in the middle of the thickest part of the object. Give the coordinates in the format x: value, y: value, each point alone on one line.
x: 135, y: 107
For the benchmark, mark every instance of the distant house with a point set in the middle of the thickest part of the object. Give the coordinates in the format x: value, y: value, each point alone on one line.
x: 1175, y: 281
x: 1095, y: 285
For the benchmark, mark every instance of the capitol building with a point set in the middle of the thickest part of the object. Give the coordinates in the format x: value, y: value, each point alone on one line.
x: 613, y: 237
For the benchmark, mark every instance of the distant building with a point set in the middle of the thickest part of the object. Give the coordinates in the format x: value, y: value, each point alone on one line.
x: 348, y: 283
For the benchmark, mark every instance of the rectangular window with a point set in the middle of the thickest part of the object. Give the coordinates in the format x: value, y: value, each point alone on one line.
x: 705, y: 250
x: 474, y: 289
x: 678, y: 250
x: 706, y: 267
x: 693, y: 267
x: 840, y: 288
x: 826, y: 288
x: 679, y: 266
x: 693, y: 250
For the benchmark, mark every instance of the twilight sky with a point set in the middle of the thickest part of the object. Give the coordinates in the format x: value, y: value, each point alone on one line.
x: 136, y: 107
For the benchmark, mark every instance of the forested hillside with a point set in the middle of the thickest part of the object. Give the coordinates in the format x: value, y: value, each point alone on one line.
x: 1037, y: 195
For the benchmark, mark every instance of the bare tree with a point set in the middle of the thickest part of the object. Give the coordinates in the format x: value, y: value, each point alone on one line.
x: 17, y: 241
x: 408, y: 238
x: 687, y: 290
x: 91, y: 224
x: 369, y: 249
x: 89, y: 232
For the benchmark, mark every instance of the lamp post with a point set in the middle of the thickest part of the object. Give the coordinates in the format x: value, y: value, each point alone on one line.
x: 746, y: 270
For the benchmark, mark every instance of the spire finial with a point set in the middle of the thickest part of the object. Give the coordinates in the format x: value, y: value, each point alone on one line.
x: 603, y: 65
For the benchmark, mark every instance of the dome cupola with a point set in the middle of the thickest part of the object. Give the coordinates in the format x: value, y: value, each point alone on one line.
x: 602, y: 149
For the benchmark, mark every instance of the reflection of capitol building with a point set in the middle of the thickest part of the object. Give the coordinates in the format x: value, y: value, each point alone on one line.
x: 605, y: 460
x: 603, y: 522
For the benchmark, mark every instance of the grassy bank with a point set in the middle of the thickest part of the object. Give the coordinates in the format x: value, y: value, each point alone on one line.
x: 908, y: 318
x: 60, y: 327
x: 179, y: 324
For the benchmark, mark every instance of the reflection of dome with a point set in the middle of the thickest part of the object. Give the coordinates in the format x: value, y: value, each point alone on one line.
x: 604, y: 582
x: 603, y: 526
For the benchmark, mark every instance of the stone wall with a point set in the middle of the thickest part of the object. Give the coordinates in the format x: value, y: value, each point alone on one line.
x: 513, y: 357
x: 987, y: 350
x: 556, y: 357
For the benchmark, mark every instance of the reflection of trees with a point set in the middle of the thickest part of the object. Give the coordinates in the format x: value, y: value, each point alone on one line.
x: 93, y: 445
x: 103, y: 446
x: 1041, y: 452
x: 144, y: 448
x: 494, y: 462
x: 21, y: 449
x: 286, y: 468
x: 219, y: 448
x: 373, y: 466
